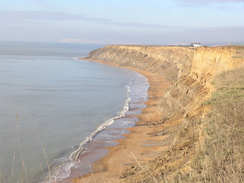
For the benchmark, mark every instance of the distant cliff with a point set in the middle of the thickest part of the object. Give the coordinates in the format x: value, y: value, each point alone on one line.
x: 167, y: 61
x: 191, y: 71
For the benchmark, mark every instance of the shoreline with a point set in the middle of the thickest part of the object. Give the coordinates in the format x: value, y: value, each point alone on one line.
x: 96, y: 148
x: 136, y: 146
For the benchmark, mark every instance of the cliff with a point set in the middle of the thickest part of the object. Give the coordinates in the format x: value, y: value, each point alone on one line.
x: 190, y: 71
x: 167, y: 61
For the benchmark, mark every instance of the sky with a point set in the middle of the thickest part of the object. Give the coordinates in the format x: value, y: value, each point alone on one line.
x: 123, y: 22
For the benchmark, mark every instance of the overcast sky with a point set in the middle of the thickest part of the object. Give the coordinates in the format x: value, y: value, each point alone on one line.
x: 127, y: 21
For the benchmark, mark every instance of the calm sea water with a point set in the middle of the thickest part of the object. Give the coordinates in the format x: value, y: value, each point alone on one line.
x: 51, y: 104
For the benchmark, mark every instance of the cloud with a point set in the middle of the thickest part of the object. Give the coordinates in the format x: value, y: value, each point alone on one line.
x: 203, y: 35
x: 196, y: 3
x: 48, y: 16
x: 44, y: 15
x: 108, y: 41
x: 215, y: 34
x: 79, y: 41
x: 210, y: 1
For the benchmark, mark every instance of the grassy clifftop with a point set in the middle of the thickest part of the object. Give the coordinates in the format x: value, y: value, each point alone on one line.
x: 203, y: 106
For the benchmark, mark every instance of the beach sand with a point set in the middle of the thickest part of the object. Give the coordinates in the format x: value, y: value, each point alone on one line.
x: 140, y: 145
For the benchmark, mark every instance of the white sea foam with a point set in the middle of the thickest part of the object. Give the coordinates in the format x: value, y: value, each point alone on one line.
x: 76, y: 58
x: 64, y: 170
x: 108, y: 122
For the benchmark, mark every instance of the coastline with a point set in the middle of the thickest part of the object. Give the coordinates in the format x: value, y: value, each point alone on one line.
x: 166, y: 141
x: 137, y: 145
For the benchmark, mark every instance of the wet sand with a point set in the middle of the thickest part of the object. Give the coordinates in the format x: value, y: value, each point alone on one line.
x: 113, y: 158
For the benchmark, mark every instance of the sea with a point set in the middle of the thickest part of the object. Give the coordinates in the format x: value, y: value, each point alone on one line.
x: 53, y: 105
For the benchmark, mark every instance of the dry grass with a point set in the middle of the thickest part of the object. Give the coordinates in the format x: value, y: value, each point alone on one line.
x: 220, y: 158
x: 22, y: 175
x: 25, y: 177
x: 239, y: 52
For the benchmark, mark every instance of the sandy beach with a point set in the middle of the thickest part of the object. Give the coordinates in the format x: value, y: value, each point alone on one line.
x: 140, y: 145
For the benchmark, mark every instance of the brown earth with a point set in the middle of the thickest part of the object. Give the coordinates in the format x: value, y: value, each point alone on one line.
x: 169, y: 131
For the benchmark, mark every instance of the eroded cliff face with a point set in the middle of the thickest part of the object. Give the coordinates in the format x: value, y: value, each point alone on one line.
x: 190, y: 71
x: 194, y: 86
x: 168, y: 61
x: 184, y: 102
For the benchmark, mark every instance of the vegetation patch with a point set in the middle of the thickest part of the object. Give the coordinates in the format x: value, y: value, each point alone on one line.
x: 220, y: 157
x: 239, y: 52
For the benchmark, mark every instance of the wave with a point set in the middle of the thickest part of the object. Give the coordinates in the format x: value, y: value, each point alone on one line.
x: 108, y: 122
x: 76, y: 58
x: 64, y: 170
